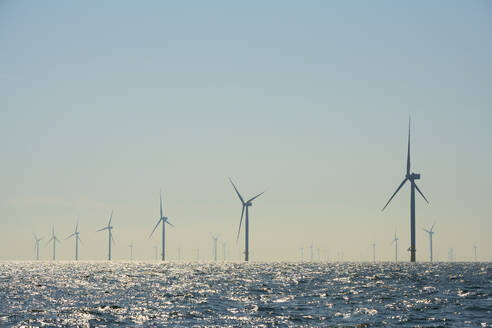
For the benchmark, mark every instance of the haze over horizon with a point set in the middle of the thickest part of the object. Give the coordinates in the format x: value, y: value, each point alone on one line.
x: 104, y: 105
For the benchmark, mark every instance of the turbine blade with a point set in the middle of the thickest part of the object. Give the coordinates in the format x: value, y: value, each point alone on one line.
x: 397, y: 189
x: 432, y: 228
x: 105, y: 228
x: 112, y: 239
x: 49, y: 241
x: 172, y: 225
x: 159, y: 221
x: 237, y: 192
x: 81, y: 241
x: 255, y: 197
x: 110, y: 218
x: 35, y: 237
x: 421, y: 194
x: 240, y: 223
x: 160, y: 195
x: 408, y: 151
x: 70, y: 236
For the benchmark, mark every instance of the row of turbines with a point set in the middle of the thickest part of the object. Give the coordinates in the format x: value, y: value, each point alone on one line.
x: 246, y: 204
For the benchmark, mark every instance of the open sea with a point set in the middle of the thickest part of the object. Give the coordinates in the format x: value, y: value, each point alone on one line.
x: 122, y: 294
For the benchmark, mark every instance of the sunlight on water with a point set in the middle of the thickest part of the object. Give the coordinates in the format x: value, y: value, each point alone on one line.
x: 231, y: 294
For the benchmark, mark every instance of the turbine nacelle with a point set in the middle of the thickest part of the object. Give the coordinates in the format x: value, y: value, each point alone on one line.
x: 413, y: 176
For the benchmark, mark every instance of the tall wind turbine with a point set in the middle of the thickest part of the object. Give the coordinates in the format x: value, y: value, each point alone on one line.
x: 55, y: 240
x: 410, y: 177
x: 430, y: 232
x: 395, y: 241
x: 77, y: 239
x: 246, y: 206
x: 37, y: 240
x: 109, y: 227
x: 164, y: 220
x: 215, y: 239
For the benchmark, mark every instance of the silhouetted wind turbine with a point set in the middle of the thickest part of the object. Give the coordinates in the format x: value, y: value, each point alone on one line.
x: 430, y: 232
x: 395, y: 241
x: 410, y: 177
x: 215, y: 238
x: 164, y: 220
x: 109, y: 227
x: 37, y: 245
x: 475, y: 248
x: 77, y: 238
x: 246, y: 205
x: 54, y: 239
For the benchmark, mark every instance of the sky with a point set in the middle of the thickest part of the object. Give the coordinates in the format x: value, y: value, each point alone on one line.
x: 104, y: 104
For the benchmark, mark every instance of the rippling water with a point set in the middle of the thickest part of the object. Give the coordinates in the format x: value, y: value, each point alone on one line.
x: 231, y: 294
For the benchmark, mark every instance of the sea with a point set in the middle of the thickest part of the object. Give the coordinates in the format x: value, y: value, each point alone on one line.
x: 152, y: 294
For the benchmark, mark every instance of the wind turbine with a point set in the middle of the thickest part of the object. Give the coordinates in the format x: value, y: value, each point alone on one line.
x: 395, y: 241
x: 215, y: 238
x: 164, y: 220
x: 246, y: 206
x: 430, y: 232
x: 224, y: 250
x: 410, y: 177
x: 55, y: 240
x: 374, y: 251
x: 77, y: 238
x: 131, y: 251
x: 37, y: 245
x: 475, y: 248
x: 109, y: 227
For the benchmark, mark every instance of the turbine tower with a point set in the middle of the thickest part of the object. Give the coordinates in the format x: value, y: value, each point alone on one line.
x: 410, y: 177
x: 37, y: 240
x: 109, y: 227
x: 215, y: 238
x: 475, y: 248
x: 430, y: 232
x: 395, y: 241
x: 77, y: 239
x: 224, y: 250
x: 55, y: 240
x: 246, y: 206
x: 164, y: 220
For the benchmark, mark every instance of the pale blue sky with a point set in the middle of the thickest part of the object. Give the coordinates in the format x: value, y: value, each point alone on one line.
x: 104, y: 103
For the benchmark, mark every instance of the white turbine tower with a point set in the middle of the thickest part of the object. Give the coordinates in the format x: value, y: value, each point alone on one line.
x: 395, y: 241
x: 430, y: 232
x: 55, y: 240
x: 37, y: 240
x: 77, y: 239
x: 131, y: 251
x: 109, y: 227
x: 246, y: 206
x: 215, y: 239
x: 164, y: 220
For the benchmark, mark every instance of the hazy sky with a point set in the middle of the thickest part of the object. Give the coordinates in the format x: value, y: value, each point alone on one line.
x: 104, y: 103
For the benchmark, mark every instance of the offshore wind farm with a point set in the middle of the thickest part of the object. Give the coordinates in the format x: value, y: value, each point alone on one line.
x: 310, y: 111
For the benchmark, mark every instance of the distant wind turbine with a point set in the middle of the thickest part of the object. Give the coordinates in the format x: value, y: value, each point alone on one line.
x: 109, y: 227
x: 395, y: 241
x: 215, y: 239
x: 77, y: 239
x: 164, y: 220
x: 224, y: 250
x: 311, y: 252
x: 131, y: 251
x: 410, y: 177
x: 302, y: 253
x: 475, y: 247
x: 374, y: 252
x: 246, y: 206
x: 430, y: 232
x: 37, y: 240
x: 53, y: 239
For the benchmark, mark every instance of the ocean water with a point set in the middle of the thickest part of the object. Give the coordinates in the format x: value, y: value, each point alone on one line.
x: 122, y: 294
